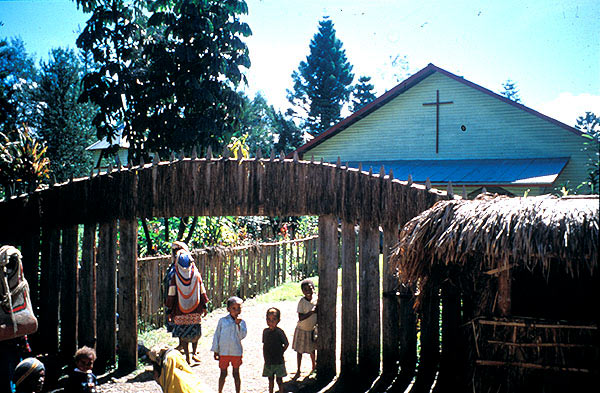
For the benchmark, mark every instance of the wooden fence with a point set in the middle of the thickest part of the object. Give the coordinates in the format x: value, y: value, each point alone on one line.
x: 244, y: 271
x: 44, y: 224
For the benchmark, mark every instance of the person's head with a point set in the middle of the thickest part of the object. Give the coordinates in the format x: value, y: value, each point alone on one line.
x: 184, y: 259
x: 29, y: 376
x: 85, y: 358
x: 273, y: 317
x: 234, y: 306
x: 308, y: 287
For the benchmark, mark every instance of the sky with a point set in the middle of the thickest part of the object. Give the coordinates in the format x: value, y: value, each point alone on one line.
x: 551, y: 49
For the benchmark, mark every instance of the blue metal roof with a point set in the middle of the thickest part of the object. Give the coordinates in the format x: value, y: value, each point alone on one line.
x: 539, y: 171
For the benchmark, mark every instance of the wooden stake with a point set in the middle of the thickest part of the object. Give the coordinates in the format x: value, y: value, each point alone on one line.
x: 106, y: 295
x: 68, y: 293
x: 328, y: 262
x: 349, y: 304
x: 369, y: 340
x: 128, y: 295
x: 87, y: 288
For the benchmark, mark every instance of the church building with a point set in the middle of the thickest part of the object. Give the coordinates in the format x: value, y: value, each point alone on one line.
x: 439, y: 126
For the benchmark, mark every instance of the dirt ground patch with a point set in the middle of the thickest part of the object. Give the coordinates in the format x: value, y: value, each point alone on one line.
x: 251, y: 369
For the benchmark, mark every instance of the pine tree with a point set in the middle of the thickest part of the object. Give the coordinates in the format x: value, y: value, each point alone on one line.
x: 322, y: 83
x: 511, y: 91
x: 362, y: 93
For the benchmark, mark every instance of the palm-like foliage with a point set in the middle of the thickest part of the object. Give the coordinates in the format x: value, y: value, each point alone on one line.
x: 23, y: 164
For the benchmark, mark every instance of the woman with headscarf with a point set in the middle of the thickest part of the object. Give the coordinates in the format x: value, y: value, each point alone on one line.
x: 186, y: 301
x: 29, y: 376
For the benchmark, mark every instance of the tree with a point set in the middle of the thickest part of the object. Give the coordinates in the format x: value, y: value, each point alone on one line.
x: 322, y: 83
x: 511, y: 91
x: 255, y: 121
x: 168, y: 71
x: 267, y: 128
x: 289, y: 136
x: 18, y: 81
x: 590, y: 125
x: 362, y: 93
x: 66, y: 123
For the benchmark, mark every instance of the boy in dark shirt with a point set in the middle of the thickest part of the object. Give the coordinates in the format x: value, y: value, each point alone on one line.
x: 274, y: 345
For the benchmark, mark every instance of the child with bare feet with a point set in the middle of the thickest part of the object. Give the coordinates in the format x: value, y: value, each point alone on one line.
x: 227, y: 342
x: 304, y: 335
x: 274, y: 345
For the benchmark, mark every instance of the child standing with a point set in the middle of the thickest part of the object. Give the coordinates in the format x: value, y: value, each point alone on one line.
x: 274, y: 345
x: 307, y: 321
x: 227, y: 342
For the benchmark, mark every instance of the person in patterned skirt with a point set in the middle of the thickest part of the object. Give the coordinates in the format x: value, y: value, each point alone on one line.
x: 187, y: 302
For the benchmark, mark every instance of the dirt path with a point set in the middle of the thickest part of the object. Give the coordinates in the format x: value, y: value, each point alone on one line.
x: 251, y: 369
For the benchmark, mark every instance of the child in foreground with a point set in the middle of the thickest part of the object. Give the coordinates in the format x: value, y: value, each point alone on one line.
x: 274, y: 345
x: 81, y: 379
x: 227, y: 342
x: 304, y: 341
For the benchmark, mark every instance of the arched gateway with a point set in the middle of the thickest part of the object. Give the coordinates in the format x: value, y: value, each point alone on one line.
x: 46, y: 223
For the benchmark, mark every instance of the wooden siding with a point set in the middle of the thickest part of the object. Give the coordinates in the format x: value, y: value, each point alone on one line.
x: 404, y: 129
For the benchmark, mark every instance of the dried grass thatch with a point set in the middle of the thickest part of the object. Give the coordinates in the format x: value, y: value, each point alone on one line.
x: 498, y: 232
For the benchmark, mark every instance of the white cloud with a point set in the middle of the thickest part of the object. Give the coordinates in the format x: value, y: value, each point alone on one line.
x: 567, y: 107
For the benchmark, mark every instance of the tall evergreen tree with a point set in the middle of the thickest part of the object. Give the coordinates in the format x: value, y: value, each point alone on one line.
x: 322, y: 83
x: 66, y: 124
x: 362, y: 93
x: 511, y: 91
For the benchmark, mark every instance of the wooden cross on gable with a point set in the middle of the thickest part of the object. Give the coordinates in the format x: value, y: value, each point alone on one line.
x: 437, y: 104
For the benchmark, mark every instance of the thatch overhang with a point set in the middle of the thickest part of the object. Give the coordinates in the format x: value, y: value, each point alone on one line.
x: 495, y: 233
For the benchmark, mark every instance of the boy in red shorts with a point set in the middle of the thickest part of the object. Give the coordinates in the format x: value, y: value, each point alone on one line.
x: 227, y: 342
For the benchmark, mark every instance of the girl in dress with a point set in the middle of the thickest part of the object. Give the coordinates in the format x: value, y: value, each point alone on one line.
x: 304, y: 335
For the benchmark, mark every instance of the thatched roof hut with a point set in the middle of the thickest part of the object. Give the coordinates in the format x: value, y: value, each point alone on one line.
x: 492, y: 234
x: 525, y: 269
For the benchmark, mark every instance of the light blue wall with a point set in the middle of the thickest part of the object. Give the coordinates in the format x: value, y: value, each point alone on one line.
x: 405, y: 129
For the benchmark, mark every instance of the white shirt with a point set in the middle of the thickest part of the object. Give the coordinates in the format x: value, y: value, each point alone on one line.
x: 228, y: 337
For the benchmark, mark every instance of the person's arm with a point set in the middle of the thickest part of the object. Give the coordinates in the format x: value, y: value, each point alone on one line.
x: 242, y: 331
x: 171, y: 301
x: 305, y: 309
x: 285, y: 341
x: 203, y: 297
x: 216, y: 339
x: 302, y: 317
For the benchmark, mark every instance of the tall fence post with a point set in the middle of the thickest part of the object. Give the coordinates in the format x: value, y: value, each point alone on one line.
x: 390, y: 326
x: 349, y: 304
x: 106, y: 294
x: 326, y: 315
x: 68, y: 293
x: 87, y: 288
x: 128, y: 295
x: 49, y: 291
x: 369, y: 340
